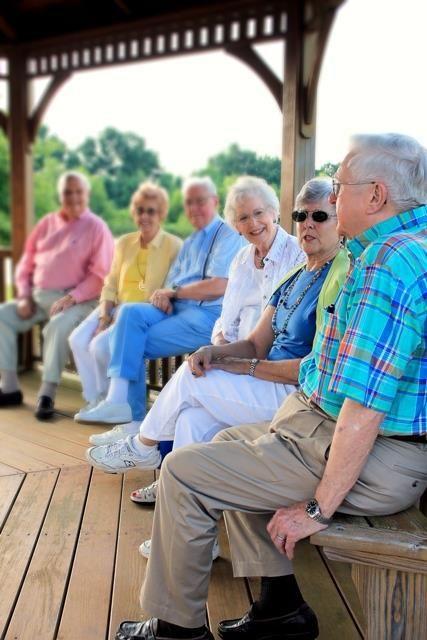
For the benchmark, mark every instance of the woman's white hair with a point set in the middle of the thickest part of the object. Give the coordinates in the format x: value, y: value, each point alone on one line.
x: 397, y: 160
x: 248, y: 187
x: 315, y: 190
x: 199, y: 181
x: 71, y: 175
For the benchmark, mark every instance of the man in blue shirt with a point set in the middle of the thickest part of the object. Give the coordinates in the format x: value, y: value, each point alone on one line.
x: 353, y: 439
x: 180, y: 317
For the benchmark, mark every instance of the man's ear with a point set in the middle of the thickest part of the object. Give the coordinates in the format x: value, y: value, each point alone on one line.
x: 378, y: 198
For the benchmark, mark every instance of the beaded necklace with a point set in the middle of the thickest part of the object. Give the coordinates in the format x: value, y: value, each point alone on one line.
x: 285, y: 297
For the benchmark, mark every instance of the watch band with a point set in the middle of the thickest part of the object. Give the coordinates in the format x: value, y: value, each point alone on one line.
x: 252, y: 366
x: 314, y: 512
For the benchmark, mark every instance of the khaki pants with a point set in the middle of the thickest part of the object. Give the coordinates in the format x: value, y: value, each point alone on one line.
x: 55, y: 332
x: 249, y: 473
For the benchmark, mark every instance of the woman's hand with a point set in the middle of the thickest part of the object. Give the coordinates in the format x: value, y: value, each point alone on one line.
x: 161, y: 299
x: 25, y: 308
x: 200, y: 361
x: 103, y: 323
x: 62, y: 304
x: 239, y: 366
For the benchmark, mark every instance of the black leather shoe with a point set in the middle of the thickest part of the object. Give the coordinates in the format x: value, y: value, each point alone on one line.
x: 297, y: 625
x: 45, y: 408
x: 147, y: 630
x: 11, y: 399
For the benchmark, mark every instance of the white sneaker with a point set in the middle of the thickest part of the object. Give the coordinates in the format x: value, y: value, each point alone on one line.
x: 121, y: 456
x: 119, y: 432
x: 146, y: 495
x: 145, y: 549
x: 88, y: 407
x: 107, y: 412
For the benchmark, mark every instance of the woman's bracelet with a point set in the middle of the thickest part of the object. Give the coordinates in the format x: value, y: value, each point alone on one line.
x: 252, y: 366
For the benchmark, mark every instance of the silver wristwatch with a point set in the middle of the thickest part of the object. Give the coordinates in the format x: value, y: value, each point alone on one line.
x: 252, y: 366
x: 314, y: 512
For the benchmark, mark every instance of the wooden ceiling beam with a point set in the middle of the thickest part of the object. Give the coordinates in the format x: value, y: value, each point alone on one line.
x: 123, y: 6
x: 4, y: 123
x: 7, y: 29
x: 37, y: 115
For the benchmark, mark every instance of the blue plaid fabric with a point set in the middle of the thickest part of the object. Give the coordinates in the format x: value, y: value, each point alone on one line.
x: 372, y: 346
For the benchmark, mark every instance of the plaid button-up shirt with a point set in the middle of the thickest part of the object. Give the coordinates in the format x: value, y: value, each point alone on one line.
x: 372, y: 347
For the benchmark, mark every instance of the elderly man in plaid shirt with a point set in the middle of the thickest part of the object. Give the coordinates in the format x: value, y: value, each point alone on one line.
x: 352, y: 439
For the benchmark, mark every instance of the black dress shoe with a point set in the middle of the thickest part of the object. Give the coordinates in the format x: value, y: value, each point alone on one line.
x: 45, y: 408
x: 11, y: 399
x: 147, y: 630
x: 297, y: 625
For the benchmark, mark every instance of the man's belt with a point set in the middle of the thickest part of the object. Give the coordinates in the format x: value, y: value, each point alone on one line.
x: 419, y: 439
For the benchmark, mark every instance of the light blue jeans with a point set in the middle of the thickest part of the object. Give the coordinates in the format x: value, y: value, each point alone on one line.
x: 141, y: 331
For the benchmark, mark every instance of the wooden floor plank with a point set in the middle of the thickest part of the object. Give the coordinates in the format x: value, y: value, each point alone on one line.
x: 48, y: 572
x: 47, y: 436
x: 19, y: 536
x: 12, y: 455
x: 135, y: 527
x: 6, y: 470
x: 9, y: 487
x: 90, y: 585
x: 25, y: 450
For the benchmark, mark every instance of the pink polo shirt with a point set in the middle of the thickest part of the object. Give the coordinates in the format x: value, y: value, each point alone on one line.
x: 71, y: 254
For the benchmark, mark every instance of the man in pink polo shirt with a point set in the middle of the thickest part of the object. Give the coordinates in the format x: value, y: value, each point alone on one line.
x: 58, y: 279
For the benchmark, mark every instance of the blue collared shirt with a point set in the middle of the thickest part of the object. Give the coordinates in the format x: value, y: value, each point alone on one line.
x: 373, y: 346
x: 207, y: 253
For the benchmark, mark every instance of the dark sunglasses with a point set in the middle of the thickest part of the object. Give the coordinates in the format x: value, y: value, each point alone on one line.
x: 317, y: 216
x: 149, y: 210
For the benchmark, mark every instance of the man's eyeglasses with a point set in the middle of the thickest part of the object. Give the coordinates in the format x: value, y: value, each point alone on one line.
x: 316, y: 216
x: 198, y: 202
x: 336, y: 185
x: 151, y: 211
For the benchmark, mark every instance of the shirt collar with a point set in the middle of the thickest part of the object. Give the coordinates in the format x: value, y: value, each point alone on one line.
x: 276, y: 248
x: 409, y: 220
x: 212, y: 224
x: 68, y: 220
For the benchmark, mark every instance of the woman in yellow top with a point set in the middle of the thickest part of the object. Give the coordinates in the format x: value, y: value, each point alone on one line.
x: 140, y: 265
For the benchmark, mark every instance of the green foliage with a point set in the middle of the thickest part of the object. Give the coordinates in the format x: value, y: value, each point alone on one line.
x: 327, y: 169
x: 116, y: 162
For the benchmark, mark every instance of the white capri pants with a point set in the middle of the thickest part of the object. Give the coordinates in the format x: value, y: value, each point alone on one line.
x: 92, y: 356
x: 191, y: 409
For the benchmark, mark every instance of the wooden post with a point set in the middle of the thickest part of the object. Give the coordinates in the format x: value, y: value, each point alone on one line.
x: 298, y: 150
x: 20, y: 153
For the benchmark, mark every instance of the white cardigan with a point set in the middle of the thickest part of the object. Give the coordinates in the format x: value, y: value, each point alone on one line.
x: 247, y: 294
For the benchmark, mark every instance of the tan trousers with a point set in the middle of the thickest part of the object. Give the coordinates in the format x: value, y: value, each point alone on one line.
x: 249, y: 473
x: 55, y: 333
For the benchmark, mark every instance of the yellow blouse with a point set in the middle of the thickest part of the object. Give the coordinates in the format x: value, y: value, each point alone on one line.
x: 123, y: 282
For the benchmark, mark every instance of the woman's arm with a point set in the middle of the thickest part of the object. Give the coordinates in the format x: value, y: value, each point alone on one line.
x: 284, y: 371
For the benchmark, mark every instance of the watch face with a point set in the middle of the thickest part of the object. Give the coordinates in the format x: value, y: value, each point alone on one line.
x: 312, y: 508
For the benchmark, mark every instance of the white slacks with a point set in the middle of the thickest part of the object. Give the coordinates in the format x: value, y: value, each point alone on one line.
x: 193, y: 409
x: 92, y: 356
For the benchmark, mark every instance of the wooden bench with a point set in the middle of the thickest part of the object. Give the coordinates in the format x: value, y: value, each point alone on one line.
x: 388, y: 557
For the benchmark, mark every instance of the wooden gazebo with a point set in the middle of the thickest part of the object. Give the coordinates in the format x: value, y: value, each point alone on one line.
x: 55, y: 38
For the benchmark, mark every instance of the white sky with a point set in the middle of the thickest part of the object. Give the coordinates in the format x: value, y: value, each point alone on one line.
x: 192, y: 107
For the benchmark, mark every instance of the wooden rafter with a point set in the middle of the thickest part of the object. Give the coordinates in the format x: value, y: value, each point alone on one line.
x: 123, y: 6
x: 4, y: 122
x: 249, y: 56
x: 37, y: 115
x: 7, y: 29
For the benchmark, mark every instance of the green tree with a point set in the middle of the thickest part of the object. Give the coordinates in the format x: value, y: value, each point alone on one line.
x: 327, y: 169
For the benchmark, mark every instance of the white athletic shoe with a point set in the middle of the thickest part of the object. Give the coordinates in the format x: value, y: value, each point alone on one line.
x: 146, y: 495
x: 121, y: 456
x: 145, y: 549
x: 119, y: 432
x: 107, y: 412
x: 88, y: 407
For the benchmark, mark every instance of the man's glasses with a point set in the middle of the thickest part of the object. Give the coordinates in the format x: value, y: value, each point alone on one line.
x: 316, y: 216
x: 198, y: 202
x: 151, y: 211
x: 336, y: 185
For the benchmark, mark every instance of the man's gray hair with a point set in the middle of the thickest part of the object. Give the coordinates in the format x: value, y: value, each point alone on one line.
x: 249, y: 187
x: 395, y: 159
x: 72, y: 175
x: 314, y: 190
x: 200, y: 181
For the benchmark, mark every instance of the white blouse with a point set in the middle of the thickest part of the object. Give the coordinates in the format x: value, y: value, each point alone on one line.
x: 249, y: 289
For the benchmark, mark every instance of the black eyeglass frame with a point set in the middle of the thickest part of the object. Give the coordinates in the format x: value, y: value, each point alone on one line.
x: 336, y: 185
x: 318, y: 215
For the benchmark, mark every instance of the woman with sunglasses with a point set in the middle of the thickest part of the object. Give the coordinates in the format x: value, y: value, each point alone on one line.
x: 140, y: 265
x: 245, y: 381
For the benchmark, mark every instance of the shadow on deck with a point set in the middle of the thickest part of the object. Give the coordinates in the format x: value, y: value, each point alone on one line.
x: 69, y: 562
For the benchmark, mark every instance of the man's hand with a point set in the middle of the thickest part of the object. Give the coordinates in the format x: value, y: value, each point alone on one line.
x: 25, y: 308
x: 161, y: 299
x: 290, y: 524
x: 62, y: 304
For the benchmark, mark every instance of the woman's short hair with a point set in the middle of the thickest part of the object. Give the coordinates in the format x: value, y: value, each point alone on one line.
x: 314, y: 190
x: 199, y: 181
x: 71, y: 175
x: 248, y: 187
x: 152, y: 191
x: 395, y: 159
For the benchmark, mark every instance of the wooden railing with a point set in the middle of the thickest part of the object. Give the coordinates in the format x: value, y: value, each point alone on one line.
x: 5, y: 259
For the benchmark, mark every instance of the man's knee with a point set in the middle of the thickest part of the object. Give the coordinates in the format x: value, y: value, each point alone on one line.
x: 181, y: 465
